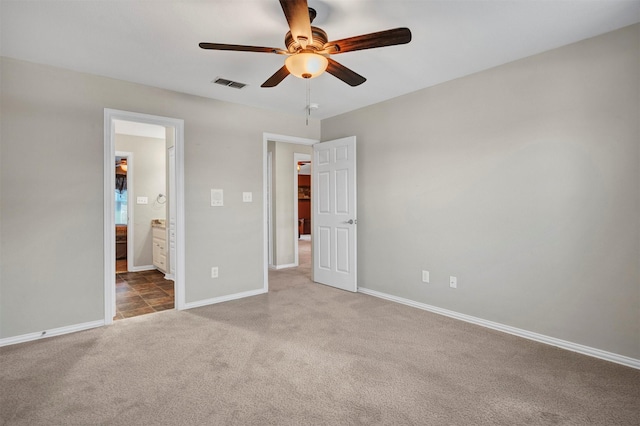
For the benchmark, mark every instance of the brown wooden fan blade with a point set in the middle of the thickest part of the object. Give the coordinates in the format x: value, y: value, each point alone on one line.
x: 345, y: 74
x: 297, y: 14
x: 370, y: 41
x: 240, y: 48
x: 276, y: 78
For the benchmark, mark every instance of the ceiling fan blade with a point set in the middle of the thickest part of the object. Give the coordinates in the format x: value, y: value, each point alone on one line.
x: 297, y: 14
x: 369, y: 41
x: 276, y: 78
x: 350, y: 77
x: 241, y: 48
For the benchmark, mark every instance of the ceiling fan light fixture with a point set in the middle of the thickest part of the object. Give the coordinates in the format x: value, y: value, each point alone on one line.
x: 309, y: 49
x: 306, y: 64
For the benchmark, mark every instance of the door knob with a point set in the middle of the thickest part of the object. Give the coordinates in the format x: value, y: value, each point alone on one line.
x: 350, y: 221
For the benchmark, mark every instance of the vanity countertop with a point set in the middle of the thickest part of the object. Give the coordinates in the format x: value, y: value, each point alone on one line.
x: 158, y: 223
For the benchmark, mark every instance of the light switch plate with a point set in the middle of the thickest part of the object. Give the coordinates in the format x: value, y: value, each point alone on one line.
x: 247, y: 197
x: 217, y: 198
x: 142, y: 200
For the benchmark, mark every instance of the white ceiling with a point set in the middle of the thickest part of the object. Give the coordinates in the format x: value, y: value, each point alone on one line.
x: 155, y: 42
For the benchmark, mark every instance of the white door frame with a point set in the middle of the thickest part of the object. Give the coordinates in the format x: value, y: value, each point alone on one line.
x: 269, y: 196
x: 109, y: 213
x: 171, y: 219
x: 130, y: 209
x: 266, y: 137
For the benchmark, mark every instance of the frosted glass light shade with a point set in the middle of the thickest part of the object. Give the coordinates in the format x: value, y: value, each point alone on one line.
x: 306, y: 65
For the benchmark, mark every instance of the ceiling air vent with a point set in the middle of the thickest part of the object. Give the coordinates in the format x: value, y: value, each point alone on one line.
x: 229, y: 83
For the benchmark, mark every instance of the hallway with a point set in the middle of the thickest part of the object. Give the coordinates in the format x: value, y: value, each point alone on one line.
x: 280, y: 279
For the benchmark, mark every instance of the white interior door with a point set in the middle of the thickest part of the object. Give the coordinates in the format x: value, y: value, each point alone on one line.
x: 334, y: 213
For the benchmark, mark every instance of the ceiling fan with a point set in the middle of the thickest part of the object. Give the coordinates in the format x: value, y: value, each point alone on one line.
x: 308, y: 50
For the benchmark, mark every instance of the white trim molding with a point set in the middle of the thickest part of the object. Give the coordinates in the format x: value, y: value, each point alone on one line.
x: 50, y: 333
x: 563, y: 344
x: 227, y: 298
x: 288, y: 139
x: 285, y: 266
x: 141, y: 268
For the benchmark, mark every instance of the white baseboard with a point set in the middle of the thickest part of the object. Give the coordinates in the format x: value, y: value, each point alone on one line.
x: 563, y: 344
x: 94, y: 324
x: 288, y: 265
x: 221, y: 299
x: 50, y: 333
x: 141, y: 268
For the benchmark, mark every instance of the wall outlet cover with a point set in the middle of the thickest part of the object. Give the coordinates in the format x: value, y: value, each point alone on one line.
x: 142, y: 200
x: 453, y: 282
x: 217, y: 198
x: 247, y: 197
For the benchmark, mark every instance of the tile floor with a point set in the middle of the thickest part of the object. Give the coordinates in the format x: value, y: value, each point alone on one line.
x: 139, y: 293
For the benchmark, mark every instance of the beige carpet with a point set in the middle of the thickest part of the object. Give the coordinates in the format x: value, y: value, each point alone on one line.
x: 307, y: 354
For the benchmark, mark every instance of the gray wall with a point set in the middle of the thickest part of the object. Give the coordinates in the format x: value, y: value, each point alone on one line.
x: 51, y: 240
x: 149, y: 180
x: 523, y: 181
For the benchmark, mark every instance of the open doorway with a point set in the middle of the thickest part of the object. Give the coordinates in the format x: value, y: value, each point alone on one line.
x: 123, y: 176
x: 143, y: 285
x: 302, y: 208
x: 153, y: 214
x: 303, y: 194
x: 285, y: 238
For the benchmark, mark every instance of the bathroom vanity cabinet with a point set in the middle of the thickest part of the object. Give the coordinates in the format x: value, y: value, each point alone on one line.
x: 160, y: 247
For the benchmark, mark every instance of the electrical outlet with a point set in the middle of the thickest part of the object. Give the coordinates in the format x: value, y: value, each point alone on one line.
x: 453, y: 282
x: 247, y: 197
x: 214, y: 272
x: 425, y: 276
x: 217, y: 198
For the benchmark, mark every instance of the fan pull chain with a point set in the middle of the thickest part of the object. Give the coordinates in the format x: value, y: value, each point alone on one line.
x: 308, y: 99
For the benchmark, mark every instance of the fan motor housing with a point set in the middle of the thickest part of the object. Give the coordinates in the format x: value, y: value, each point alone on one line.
x: 319, y: 39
